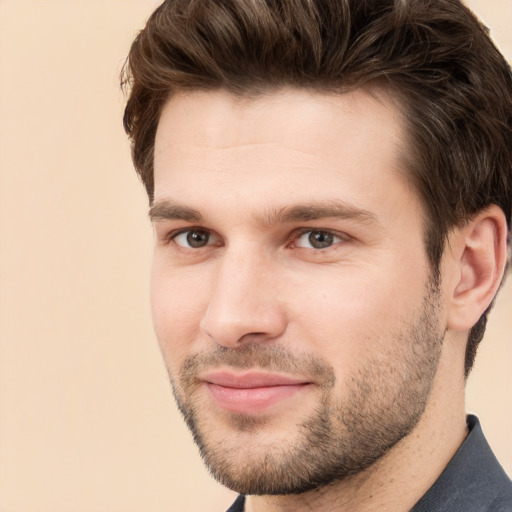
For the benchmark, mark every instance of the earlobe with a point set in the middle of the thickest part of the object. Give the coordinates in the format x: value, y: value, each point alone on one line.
x: 481, y: 260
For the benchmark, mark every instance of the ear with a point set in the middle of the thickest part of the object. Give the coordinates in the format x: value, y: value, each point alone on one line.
x: 479, y: 252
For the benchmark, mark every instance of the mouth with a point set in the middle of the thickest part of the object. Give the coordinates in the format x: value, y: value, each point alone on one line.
x: 251, y: 392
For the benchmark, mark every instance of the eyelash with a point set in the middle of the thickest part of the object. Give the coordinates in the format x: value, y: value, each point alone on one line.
x: 335, y: 235
x: 175, y: 234
x: 296, y: 235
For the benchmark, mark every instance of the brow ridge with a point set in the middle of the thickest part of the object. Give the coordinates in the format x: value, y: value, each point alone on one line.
x: 166, y: 209
x: 318, y: 210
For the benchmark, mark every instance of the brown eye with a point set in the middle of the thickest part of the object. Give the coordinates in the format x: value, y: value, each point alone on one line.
x: 194, y: 238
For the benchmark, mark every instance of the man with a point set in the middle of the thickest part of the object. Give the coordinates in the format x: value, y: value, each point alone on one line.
x: 331, y: 191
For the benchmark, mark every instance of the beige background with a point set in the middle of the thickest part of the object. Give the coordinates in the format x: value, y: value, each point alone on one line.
x: 87, y: 422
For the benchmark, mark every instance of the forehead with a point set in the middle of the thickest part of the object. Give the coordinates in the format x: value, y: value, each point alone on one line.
x: 282, y: 146
x: 214, y: 118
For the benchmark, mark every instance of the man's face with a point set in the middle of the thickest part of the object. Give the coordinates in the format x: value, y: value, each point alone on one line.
x: 291, y: 292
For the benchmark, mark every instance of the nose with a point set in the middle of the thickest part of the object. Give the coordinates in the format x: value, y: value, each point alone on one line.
x: 244, y: 305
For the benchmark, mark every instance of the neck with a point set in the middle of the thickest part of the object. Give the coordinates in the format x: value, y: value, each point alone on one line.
x: 398, y: 480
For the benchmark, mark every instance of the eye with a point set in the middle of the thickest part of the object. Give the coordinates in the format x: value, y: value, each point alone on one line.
x: 317, y: 239
x: 192, y: 238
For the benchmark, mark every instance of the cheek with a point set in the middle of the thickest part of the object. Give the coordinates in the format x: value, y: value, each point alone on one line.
x: 344, y: 297
x: 353, y: 315
x: 177, y: 309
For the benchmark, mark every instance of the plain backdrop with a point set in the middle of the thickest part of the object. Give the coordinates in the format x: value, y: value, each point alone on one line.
x: 87, y: 420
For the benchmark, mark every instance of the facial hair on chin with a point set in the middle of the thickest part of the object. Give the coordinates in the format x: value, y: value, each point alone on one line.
x: 344, y: 435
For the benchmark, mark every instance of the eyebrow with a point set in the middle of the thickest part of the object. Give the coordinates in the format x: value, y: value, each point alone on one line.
x: 317, y: 210
x: 169, y: 210
x: 165, y: 209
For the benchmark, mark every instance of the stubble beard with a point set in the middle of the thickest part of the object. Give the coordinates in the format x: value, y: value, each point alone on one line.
x: 343, y: 436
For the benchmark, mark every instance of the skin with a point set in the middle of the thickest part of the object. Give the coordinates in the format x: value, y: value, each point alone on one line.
x: 259, y: 288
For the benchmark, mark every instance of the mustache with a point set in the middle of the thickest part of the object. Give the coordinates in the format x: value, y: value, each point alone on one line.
x: 272, y: 358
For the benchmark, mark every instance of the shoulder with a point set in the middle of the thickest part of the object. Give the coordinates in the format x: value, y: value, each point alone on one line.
x: 501, y: 504
x: 472, y: 481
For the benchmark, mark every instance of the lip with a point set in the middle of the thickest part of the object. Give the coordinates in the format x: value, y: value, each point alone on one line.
x: 251, y: 392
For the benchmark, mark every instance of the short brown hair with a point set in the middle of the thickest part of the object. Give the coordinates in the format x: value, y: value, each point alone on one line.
x: 438, y: 60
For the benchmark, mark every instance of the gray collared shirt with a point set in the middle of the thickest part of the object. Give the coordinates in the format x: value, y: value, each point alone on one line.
x: 473, y: 481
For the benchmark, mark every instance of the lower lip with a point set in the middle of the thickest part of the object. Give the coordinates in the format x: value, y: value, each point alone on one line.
x: 252, y: 400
